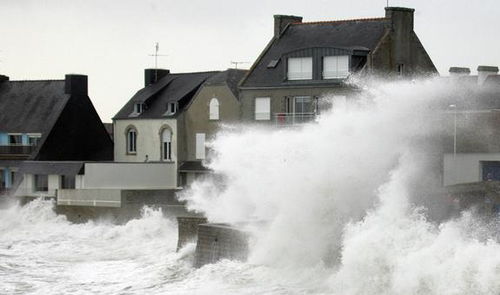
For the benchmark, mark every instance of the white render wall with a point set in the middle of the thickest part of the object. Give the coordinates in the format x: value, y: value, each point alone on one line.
x: 27, y: 186
x: 465, y: 168
x: 148, y: 139
x: 130, y: 175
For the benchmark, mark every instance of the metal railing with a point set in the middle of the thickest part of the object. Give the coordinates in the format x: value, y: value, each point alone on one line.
x: 287, y: 119
x: 16, y: 149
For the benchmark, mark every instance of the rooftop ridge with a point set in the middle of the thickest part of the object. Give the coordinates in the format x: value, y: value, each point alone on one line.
x: 187, y: 73
x: 341, y: 21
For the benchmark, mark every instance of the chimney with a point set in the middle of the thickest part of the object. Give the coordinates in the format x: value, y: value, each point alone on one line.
x: 459, y: 72
x: 483, y: 72
x: 3, y: 78
x: 401, y: 18
x: 151, y: 76
x: 76, y: 84
x: 281, y: 21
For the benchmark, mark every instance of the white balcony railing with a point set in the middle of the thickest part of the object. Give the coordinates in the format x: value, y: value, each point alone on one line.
x: 287, y: 119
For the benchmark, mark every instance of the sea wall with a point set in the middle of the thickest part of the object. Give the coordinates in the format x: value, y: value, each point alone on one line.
x: 188, y: 230
x: 218, y: 241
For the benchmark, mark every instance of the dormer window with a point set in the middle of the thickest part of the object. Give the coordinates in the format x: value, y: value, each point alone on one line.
x: 171, y: 108
x: 138, y: 108
x: 335, y: 67
x: 300, y: 68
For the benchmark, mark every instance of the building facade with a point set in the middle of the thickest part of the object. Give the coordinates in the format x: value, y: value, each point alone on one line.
x: 47, y: 121
x: 305, y: 66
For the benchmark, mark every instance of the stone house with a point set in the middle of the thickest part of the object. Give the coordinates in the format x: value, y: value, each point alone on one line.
x: 305, y: 65
x: 169, y: 120
x: 45, y: 126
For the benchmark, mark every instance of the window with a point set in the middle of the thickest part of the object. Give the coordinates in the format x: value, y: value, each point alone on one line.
x: 299, y: 68
x: 401, y: 69
x: 214, y: 109
x: 335, y: 67
x: 33, y: 140
x: 67, y: 182
x: 166, y: 144
x: 138, y: 108
x: 12, y: 178
x: 131, y: 141
x: 200, y: 146
x: 262, y: 108
x: 41, y: 183
x: 171, y: 108
x: 15, y: 139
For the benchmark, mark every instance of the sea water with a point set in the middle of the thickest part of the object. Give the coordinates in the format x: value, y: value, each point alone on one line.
x: 348, y: 205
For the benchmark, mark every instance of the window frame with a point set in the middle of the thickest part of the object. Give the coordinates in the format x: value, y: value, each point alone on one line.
x: 200, y: 146
x: 260, y: 116
x: 337, y: 73
x: 36, y: 179
x: 303, y: 75
x: 166, y: 146
x: 131, y: 145
x: 214, y: 109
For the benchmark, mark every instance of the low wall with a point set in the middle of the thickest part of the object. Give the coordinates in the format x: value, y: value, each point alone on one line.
x: 220, y: 241
x: 188, y: 230
x: 140, y: 175
x: 90, y: 197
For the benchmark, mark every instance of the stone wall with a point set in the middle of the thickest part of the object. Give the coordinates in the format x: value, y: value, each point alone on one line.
x: 220, y: 241
x: 188, y: 230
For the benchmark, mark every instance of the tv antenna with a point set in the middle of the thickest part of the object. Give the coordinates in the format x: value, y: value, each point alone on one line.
x: 156, y: 55
x: 236, y: 63
x: 387, y: 3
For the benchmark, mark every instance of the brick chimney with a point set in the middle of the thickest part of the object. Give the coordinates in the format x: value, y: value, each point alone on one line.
x: 483, y: 72
x: 459, y: 72
x: 76, y: 84
x: 281, y: 21
x: 152, y: 76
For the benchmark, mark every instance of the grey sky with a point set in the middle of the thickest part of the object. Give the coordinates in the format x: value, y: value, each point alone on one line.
x: 110, y: 40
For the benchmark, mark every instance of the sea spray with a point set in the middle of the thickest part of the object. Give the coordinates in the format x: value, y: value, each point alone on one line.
x: 353, y: 192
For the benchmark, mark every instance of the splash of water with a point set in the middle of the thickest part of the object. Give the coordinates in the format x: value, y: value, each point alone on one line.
x: 349, y: 193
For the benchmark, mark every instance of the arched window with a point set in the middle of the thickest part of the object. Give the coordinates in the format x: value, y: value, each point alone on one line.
x: 214, y: 109
x: 131, y: 140
x: 166, y: 144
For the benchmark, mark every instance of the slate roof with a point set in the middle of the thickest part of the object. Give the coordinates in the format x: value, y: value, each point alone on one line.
x: 230, y: 77
x: 172, y: 88
x: 31, y: 106
x: 361, y: 34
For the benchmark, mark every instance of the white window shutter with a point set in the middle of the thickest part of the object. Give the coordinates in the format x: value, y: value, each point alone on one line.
x: 335, y: 67
x: 262, y: 108
x: 200, y: 146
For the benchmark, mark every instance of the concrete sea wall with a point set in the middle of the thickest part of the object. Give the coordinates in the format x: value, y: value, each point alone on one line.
x: 218, y: 241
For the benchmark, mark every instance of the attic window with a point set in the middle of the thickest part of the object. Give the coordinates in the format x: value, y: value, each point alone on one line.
x: 138, y: 108
x: 299, y: 68
x: 171, y: 108
x: 335, y: 67
x: 273, y: 63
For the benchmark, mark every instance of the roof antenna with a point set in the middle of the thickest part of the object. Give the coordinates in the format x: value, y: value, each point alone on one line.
x: 157, y: 48
x: 387, y: 3
x: 236, y: 63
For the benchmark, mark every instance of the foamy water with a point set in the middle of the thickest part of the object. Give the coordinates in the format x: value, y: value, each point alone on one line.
x: 345, y: 200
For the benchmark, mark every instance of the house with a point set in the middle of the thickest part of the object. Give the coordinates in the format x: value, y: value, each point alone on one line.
x: 169, y: 120
x: 305, y: 65
x: 47, y: 123
x: 160, y: 136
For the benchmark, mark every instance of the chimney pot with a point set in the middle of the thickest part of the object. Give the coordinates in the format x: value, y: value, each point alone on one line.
x: 75, y: 84
x: 483, y: 72
x: 281, y: 21
x: 459, y: 71
x: 152, y: 76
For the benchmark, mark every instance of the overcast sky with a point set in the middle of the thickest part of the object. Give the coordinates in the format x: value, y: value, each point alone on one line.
x: 110, y: 40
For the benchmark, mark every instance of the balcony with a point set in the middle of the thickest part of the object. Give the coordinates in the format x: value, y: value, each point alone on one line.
x: 15, y: 151
x: 290, y: 119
